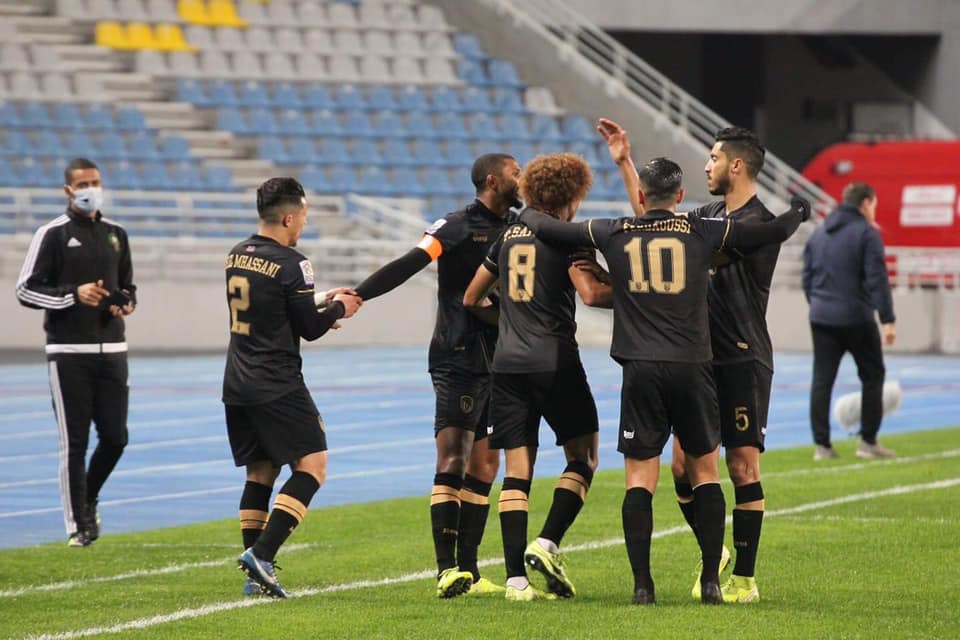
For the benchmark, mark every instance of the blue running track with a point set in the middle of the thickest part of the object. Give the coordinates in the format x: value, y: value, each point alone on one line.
x: 377, y: 404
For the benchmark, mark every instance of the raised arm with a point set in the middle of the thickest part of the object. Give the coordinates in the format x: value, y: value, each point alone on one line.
x: 751, y: 235
x: 619, y: 147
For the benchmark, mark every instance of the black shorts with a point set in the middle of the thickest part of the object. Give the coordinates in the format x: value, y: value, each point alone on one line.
x: 656, y: 396
x: 462, y: 399
x: 520, y: 399
x: 743, y: 395
x: 281, y: 431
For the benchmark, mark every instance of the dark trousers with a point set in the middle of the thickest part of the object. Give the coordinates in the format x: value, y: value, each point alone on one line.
x: 829, y: 345
x: 85, y: 388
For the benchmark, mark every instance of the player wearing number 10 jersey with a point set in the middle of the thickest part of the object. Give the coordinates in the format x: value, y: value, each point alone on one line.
x: 659, y: 265
x: 271, y: 418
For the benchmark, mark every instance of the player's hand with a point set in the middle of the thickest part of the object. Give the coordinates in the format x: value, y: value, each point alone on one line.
x: 91, y: 293
x: 125, y: 310
x: 592, y: 266
x: 889, y: 333
x: 801, y: 205
x: 324, y: 298
x: 351, y: 303
x: 617, y: 142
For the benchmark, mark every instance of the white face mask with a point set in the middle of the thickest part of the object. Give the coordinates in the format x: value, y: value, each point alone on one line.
x: 88, y: 200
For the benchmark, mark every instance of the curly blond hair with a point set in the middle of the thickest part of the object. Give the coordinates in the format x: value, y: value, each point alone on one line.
x: 550, y: 183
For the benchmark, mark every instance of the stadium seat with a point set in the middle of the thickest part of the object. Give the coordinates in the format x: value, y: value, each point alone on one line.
x: 514, y: 127
x: 397, y: 152
x: 438, y: 181
x: 472, y: 72
x: 508, y: 100
x: 468, y: 46
x: 246, y: 64
x: 408, y: 43
x: 273, y: 149
x: 15, y: 143
x: 175, y: 148
x: 412, y: 98
x: 194, y: 12
x: 232, y: 120
x: 326, y: 123
x: 407, y: 70
x: 143, y: 145
x: 131, y: 10
x: 476, y: 99
x: 35, y: 114
x: 379, y: 43
x: 578, y: 129
x: 183, y: 64
x: 444, y: 99
x: 262, y: 121
x: 545, y: 128
x: 253, y: 94
x: 310, y: 66
x: 348, y: 97
x: 342, y: 68
x: 281, y: 14
x: 186, y: 176
x: 130, y: 119
x: 401, y: 16
x: 106, y: 34
x: 375, y: 181
x: 317, y: 96
x: 112, y: 145
x: 293, y: 122
x: 279, y: 66
x: 46, y: 142
x: 440, y: 71
x: 222, y: 93
x: 318, y: 40
x: 504, y: 74
x: 223, y: 13
x: 427, y: 153
x: 420, y: 125
x: 348, y: 41
x: 213, y: 63
x: 285, y: 94
x: 162, y: 10
x: 343, y: 16
x: 406, y: 183
x: 258, y: 39
x: 237, y: 40
x: 380, y: 98
x: 315, y: 179
x: 193, y: 92
x: 365, y: 151
x: 334, y: 151
x: 201, y: 37
x: 373, y: 15
x: 121, y: 175
x: 99, y: 116
x: 218, y: 178
x: 459, y: 154
x: 356, y: 123
x: 375, y: 69
x: 387, y: 124
x: 66, y: 115
x: 343, y: 179
x: 312, y: 13
x: 482, y: 126
x: 140, y: 36
x: 153, y: 175
x: 302, y: 150
x: 169, y: 37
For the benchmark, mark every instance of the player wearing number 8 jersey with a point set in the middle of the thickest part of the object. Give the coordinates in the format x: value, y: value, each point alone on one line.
x: 271, y: 418
x: 659, y: 266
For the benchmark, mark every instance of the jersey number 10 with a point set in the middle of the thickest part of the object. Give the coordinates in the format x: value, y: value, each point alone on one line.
x: 655, y: 254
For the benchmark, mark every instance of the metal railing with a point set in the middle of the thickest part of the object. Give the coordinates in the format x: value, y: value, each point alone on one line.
x: 578, y: 41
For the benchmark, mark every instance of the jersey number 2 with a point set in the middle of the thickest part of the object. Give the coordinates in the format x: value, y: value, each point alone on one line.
x: 240, y: 286
x: 655, y: 249
x: 521, y: 263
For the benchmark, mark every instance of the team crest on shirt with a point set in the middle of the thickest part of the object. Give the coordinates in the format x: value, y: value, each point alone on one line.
x: 320, y: 423
x: 466, y: 404
x: 436, y: 226
x: 307, y: 270
x: 114, y: 242
x: 250, y: 248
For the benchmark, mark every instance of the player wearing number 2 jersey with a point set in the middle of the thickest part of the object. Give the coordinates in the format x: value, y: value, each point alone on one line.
x: 659, y: 266
x: 271, y: 418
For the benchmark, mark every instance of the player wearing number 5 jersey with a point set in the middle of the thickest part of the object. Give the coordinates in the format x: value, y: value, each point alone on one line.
x: 271, y: 418
x: 659, y: 266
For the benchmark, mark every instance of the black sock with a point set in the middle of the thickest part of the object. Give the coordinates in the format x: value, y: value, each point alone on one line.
x: 289, y: 509
x: 746, y: 529
x: 568, y: 497
x: 254, y: 507
x: 513, y: 524
x: 445, y: 518
x: 637, y: 515
x: 685, y: 502
x: 474, y: 507
x: 710, y: 514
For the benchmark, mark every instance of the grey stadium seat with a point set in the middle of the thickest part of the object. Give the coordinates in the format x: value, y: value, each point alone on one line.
x: 318, y: 41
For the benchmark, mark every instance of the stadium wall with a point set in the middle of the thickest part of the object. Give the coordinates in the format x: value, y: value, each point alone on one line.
x: 175, y: 317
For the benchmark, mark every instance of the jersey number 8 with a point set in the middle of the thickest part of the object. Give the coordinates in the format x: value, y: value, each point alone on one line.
x: 521, y: 263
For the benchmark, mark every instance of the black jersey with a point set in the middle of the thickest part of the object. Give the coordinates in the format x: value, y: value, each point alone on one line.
x: 659, y: 266
x: 537, y: 307
x: 461, y: 240
x: 270, y: 295
x: 738, y: 292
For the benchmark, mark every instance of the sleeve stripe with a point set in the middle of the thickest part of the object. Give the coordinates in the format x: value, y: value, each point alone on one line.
x: 31, y: 260
x: 726, y: 232
x: 42, y: 300
x: 590, y: 229
x: 432, y: 246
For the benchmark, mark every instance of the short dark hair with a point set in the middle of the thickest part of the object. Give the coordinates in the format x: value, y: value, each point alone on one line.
x: 856, y: 192
x: 660, y: 180
x: 738, y: 142
x: 75, y: 165
x: 485, y: 165
x: 276, y: 195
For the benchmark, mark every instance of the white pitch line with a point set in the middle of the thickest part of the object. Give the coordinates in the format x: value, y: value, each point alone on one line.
x: 198, y: 612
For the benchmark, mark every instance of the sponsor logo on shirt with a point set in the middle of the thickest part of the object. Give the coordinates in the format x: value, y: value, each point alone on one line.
x: 628, y: 435
x: 307, y: 270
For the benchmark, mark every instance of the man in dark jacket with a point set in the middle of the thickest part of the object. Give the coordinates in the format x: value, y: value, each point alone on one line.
x: 845, y: 282
x: 78, y: 270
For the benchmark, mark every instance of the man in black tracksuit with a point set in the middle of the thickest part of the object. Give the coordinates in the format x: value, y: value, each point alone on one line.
x: 845, y: 281
x: 78, y: 269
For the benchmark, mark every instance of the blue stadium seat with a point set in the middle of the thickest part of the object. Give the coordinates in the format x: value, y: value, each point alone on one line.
x: 326, y: 123
x: 66, y: 115
x: 420, y: 125
x: 439, y: 206
x: 544, y: 128
x: 142, y: 145
x: 427, y: 153
x: 343, y: 179
x: 375, y: 181
x: 468, y: 46
x: 444, y: 99
x: 365, y: 151
x: 577, y: 128
x: 218, y: 178
x: 30, y: 172
x: 112, y: 145
x: 482, y: 126
x: 334, y: 151
x: 302, y: 150
x: 348, y: 97
x: 99, y: 116
x: 192, y: 92
x: 35, y: 115
x: 438, y: 182
x: 9, y: 115
x: 272, y: 148
x: 387, y: 124
x: 315, y: 179
x: 504, y: 74
x: 317, y: 96
x: 153, y: 175
x: 356, y: 123
x: 230, y: 119
x: 459, y: 154
x: 46, y: 142
x: 286, y: 95
x: 293, y: 122
x: 589, y: 152
x: 451, y: 125
x: 477, y: 99
x: 130, y: 119
x: 79, y: 143
x: 524, y: 152
x: 508, y: 100
x: 380, y: 97
x: 253, y: 94
x: 262, y: 121
x: 515, y: 127
x: 15, y: 143
x: 222, y: 94
x: 406, y: 183
x: 121, y: 175
x: 175, y: 148
x: 412, y: 98
x: 396, y: 151
x: 186, y: 176
x: 472, y: 72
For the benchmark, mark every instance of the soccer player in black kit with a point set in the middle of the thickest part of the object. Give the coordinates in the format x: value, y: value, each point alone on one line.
x: 537, y: 370
x: 659, y: 265
x: 742, y: 350
x: 459, y: 362
x: 271, y: 417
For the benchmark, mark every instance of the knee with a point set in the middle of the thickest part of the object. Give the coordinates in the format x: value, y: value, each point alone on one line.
x: 452, y: 462
x: 742, y: 471
x: 677, y: 468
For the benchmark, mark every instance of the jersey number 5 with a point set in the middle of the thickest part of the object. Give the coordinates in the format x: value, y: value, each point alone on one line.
x: 240, y: 286
x: 655, y: 252
x: 521, y: 263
